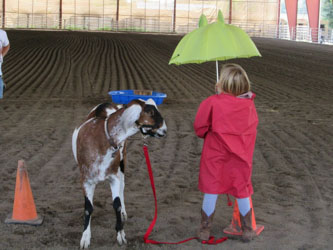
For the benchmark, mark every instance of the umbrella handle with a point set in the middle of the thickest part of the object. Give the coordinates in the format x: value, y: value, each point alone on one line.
x: 217, y: 71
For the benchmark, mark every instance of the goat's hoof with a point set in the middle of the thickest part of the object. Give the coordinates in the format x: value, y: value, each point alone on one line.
x: 85, y: 240
x: 121, y: 237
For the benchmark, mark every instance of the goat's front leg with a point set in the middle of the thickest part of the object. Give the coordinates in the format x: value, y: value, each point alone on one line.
x: 89, y: 190
x: 115, y: 189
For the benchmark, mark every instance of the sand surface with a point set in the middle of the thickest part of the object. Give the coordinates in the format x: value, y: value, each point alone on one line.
x: 55, y: 78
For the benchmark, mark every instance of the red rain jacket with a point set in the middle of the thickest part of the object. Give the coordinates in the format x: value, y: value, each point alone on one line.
x: 229, y: 126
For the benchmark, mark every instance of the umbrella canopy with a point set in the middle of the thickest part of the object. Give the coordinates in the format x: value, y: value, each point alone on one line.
x: 217, y: 41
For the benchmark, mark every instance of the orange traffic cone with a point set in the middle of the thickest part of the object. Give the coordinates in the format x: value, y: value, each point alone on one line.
x: 24, y: 210
x: 235, y: 227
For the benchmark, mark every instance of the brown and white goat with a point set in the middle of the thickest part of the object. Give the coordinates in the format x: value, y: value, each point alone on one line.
x: 99, y: 148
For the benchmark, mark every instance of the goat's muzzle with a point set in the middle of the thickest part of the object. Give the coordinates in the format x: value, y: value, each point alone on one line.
x: 153, y: 130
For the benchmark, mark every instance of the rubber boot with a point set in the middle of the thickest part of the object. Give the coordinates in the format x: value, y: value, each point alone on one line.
x: 246, y: 223
x: 206, y: 224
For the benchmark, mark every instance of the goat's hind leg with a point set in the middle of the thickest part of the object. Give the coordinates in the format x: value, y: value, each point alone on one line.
x: 122, y: 187
x: 121, y: 175
x: 89, y: 190
x: 117, y: 206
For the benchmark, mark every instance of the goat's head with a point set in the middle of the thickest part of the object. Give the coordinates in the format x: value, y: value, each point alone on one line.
x: 150, y: 121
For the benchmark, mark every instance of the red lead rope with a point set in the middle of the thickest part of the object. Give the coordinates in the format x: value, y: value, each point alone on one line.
x: 211, y: 240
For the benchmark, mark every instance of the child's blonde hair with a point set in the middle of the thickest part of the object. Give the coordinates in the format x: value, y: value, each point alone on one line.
x: 234, y: 80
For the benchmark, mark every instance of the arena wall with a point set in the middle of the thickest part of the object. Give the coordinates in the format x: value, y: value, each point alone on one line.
x: 260, y: 18
x: 178, y: 16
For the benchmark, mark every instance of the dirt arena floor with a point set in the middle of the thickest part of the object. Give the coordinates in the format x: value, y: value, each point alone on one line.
x: 55, y: 78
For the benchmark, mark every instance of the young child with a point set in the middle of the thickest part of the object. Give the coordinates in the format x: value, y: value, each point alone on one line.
x: 228, y: 123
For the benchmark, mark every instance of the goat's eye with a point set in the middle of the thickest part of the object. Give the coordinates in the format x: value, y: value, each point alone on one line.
x: 151, y: 112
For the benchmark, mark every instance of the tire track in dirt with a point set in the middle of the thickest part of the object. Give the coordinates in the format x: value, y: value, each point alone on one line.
x: 115, y: 67
x: 96, y: 56
x: 81, y: 59
x: 276, y: 86
x: 109, y: 68
x: 78, y: 55
x: 29, y: 55
x: 198, y: 84
x: 279, y: 63
x: 9, y: 111
x: 309, y: 141
x: 59, y: 77
x: 155, y: 68
x: 20, y: 71
x: 38, y: 149
x: 144, y: 61
x: 174, y: 165
x: 125, y: 80
x: 137, y: 64
x: 41, y: 82
x: 60, y: 135
x: 19, y: 114
x: 131, y: 69
x: 99, y: 67
x: 11, y: 65
x: 122, y: 78
x: 65, y: 81
x: 193, y: 80
x: 30, y: 79
x: 179, y: 90
x: 26, y: 117
x: 305, y: 184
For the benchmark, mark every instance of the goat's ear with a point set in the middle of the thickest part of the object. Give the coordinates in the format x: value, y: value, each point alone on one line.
x: 150, y: 101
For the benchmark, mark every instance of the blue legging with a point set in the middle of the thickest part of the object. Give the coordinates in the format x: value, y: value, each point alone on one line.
x: 1, y: 87
x: 209, y: 203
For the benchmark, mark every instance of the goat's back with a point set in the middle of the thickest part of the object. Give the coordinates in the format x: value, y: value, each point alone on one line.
x: 103, y: 110
x: 89, y: 137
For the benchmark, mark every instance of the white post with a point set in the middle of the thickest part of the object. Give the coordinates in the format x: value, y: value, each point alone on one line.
x: 319, y: 30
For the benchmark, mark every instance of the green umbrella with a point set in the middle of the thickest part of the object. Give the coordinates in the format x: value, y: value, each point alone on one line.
x: 217, y: 41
